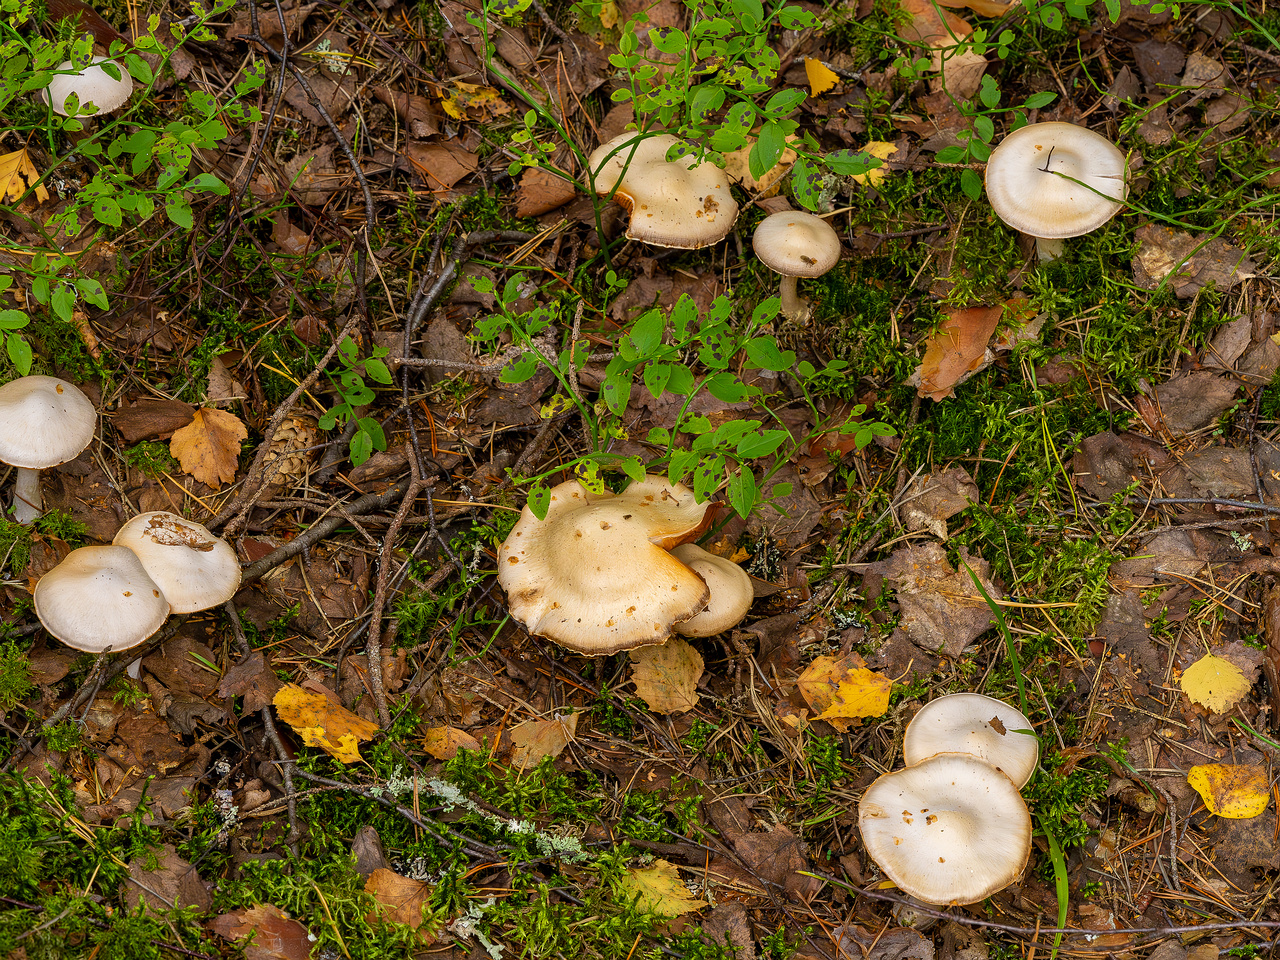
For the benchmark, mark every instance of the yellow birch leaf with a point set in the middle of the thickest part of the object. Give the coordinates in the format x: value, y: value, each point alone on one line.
x: 861, y: 694
x: 1231, y: 790
x: 660, y: 889
x: 322, y: 723
x: 821, y: 77
x: 1214, y: 683
x: 443, y: 743
x: 17, y: 174
x: 881, y: 150
x: 608, y: 14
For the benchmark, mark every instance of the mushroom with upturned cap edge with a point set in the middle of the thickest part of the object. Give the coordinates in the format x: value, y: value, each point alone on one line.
x: 194, y: 569
x: 731, y: 592
x: 684, y: 203
x: 100, y: 599
x: 795, y: 244
x: 596, y: 574
x: 950, y: 829
x: 44, y: 421
x: 90, y: 84
x: 1027, y: 192
x: 983, y: 727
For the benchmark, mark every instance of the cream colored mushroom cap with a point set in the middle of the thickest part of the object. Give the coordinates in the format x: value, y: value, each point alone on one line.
x: 682, y: 204
x: 980, y: 726
x: 92, y: 84
x: 731, y: 592
x: 596, y: 575
x: 1026, y: 193
x: 100, y: 599
x: 44, y: 421
x: 194, y: 569
x: 950, y: 829
x: 796, y: 244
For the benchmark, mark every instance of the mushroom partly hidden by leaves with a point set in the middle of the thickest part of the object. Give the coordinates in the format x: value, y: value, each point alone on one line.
x: 44, y: 421
x: 1056, y: 180
x: 683, y: 203
x: 597, y: 575
x: 194, y: 569
x: 731, y: 592
x: 950, y: 829
x: 99, y: 600
x: 795, y: 244
x: 102, y: 82
x: 983, y: 727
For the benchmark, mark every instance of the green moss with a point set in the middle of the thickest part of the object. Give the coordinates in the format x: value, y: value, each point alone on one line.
x: 151, y: 457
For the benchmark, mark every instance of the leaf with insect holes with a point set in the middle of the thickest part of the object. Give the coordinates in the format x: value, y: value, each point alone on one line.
x: 660, y: 890
x: 1231, y: 790
x: 17, y: 174
x: 209, y: 446
x: 322, y: 723
x: 1214, y: 683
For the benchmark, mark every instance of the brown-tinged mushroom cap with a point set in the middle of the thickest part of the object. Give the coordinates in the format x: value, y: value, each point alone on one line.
x: 1027, y: 193
x: 680, y: 203
x: 100, y: 599
x: 44, y: 421
x: 92, y: 84
x: 980, y: 726
x: 731, y: 592
x: 795, y: 244
x: 950, y: 829
x: 596, y: 575
x: 194, y: 569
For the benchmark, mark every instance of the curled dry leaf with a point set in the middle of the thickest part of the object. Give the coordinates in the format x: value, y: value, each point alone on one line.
x: 209, y: 447
x: 1214, y: 683
x: 1231, y: 790
x: 275, y: 935
x: 322, y: 723
x: 660, y: 890
x: 666, y: 676
x: 956, y: 350
x: 534, y: 740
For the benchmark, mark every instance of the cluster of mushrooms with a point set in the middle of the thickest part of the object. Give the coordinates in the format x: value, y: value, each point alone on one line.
x: 951, y: 827
x: 1047, y: 180
x: 103, y: 599
x: 606, y: 572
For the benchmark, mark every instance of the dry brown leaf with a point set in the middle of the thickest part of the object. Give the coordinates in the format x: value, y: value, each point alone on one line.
x: 540, y: 192
x: 209, y: 447
x: 941, y: 31
x: 533, y: 740
x: 983, y: 8
x: 666, y: 676
x: 400, y: 900
x: 275, y: 935
x: 17, y: 174
x: 956, y: 350
x: 441, y: 165
x: 443, y: 743
x: 321, y: 723
x: 1197, y: 260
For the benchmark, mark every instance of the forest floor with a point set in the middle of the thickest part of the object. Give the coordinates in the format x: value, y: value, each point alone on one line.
x: 328, y: 286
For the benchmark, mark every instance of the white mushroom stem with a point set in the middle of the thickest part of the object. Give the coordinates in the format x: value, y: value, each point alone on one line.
x: 1049, y: 248
x: 794, y: 306
x: 26, y: 496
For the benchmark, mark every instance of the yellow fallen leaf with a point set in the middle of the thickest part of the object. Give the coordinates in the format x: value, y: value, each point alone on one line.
x: 1214, y: 683
x: 443, y: 743
x: 660, y: 890
x: 821, y: 77
x: 322, y: 723
x: 737, y: 165
x: 608, y: 14
x: 534, y: 740
x: 842, y: 690
x: 209, y: 446
x: 881, y: 150
x: 474, y: 102
x: 17, y: 174
x: 1233, y: 791
x: 666, y: 676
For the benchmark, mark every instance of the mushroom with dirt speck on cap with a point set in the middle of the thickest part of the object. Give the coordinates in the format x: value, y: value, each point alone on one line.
x: 795, y: 244
x: 989, y: 729
x: 44, y: 421
x: 194, y: 569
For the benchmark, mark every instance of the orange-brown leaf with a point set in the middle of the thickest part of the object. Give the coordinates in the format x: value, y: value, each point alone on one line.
x: 276, y: 936
x: 321, y: 723
x: 209, y: 446
x: 534, y: 740
x: 400, y: 899
x: 956, y: 349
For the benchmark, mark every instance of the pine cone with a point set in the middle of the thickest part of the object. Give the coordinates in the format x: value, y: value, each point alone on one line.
x: 287, y: 455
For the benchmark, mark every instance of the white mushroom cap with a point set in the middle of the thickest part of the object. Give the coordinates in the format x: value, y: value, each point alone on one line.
x: 682, y: 204
x: 44, y: 421
x: 950, y: 829
x: 796, y: 244
x: 100, y: 599
x: 596, y: 575
x: 194, y: 569
x: 979, y: 726
x: 91, y: 84
x: 731, y: 592
x: 1027, y: 194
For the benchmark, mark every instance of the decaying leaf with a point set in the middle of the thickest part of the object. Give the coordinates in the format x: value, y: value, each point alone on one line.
x: 540, y: 192
x: 441, y: 165
x: 17, y: 174
x: 471, y: 101
x: 821, y: 77
x: 443, y: 743
x: 881, y: 150
x: 660, y: 889
x: 666, y: 676
x: 842, y: 690
x: 275, y: 935
x: 322, y: 723
x: 956, y: 350
x: 1188, y: 263
x: 942, y: 31
x: 400, y: 899
x: 1231, y: 790
x: 209, y: 447
x: 533, y: 740
x: 1214, y: 683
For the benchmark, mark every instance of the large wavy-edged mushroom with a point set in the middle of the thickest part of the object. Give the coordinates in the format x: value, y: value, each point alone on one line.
x: 989, y: 729
x: 950, y: 829
x: 596, y: 575
x: 194, y: 569
x: 44, y: 421
x: 100, y: 599
x: 1056, y: 180
x: 681, y: 203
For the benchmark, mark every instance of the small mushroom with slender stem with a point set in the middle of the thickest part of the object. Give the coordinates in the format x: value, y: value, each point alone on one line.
x: 1056, y: 180
x: 44, y: 421
x: 989, y: 729
x: 796, y: 244
x: 91, y: 84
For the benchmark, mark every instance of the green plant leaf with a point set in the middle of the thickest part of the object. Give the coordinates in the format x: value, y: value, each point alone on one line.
x: 539, y: 500
x: 63, y: 301
x: 19, y: 353
x: 763, y: 352
x: 179, y: 212
x: 656, y: 376
x: 742, y: 492
x: 971, y: 184
x: 706, y: 478
x: 761, y: 444
x: 1042, y: 99
x: 726, y: 387
x: 768, y: 149
x: 13, y: 319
